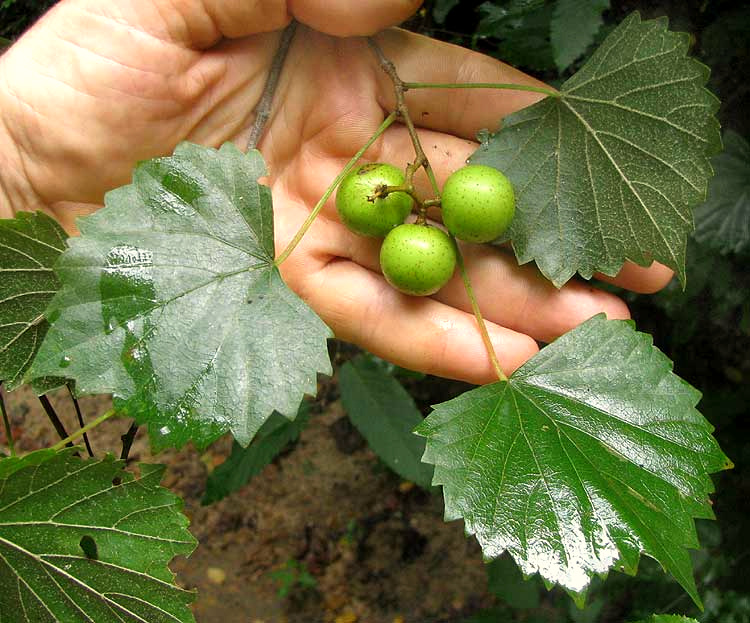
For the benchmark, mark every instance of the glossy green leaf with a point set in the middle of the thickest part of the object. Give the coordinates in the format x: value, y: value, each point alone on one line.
x: 385, y: 414
x: 573, y: 28
x: 30, y: 244
x: 245, y: 463
x: 611, y: 169
x: 83, y: 540
x: 723, y: 221
x: 592, y: 454
x: 171, y: 302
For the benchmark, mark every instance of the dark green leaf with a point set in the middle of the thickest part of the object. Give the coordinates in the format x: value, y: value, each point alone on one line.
x: 612, y: 168
x: 590, y: 455
x: 382, y: 410
x: 573, y: 29
x: 505, y: 581
x: 172, y: 303
x: 442, y: 8
x: 723, y: 221
x: 668, y: 618
x: 75, y: 547
x: 29, y: 247
x: 522, y: 28
x: 244, y: 463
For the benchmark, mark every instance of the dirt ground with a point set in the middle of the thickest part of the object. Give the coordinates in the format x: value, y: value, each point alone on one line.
x: 377, y: 547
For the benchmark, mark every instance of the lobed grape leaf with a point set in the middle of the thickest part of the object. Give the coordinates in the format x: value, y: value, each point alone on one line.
x: 385, y: 414
x: 723, y: 221
x: 245, y: 463
x: 573, y: 28
x: 611, y: 168
x: 84, y: 540
x: 30, y: 244
x: 591, y: 454
x: 171, y: 301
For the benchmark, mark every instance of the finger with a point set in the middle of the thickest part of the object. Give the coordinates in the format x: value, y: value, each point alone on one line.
x: 462, y: 112
x: 642, y: 279
x: 201, y: 23
x: 344, y: 18
x: 441, y: 340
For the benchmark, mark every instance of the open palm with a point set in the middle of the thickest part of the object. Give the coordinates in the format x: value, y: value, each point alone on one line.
x: 97, y: 86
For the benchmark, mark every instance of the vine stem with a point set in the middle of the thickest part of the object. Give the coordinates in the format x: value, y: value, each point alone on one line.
x: 81, y: 423
x: 489, y: 347
x: 263, y: 109
x: 387, y: 122
x: 6, y: 422
x: 482, y: 85
x: 71, y: 438
x: 402, y: 110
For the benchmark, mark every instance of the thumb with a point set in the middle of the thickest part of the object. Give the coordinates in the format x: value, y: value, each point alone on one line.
x: 344, y: 18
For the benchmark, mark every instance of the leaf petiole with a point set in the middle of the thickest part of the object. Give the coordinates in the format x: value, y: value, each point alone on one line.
x: 478, y: 315
x: 482, y: 85
x: 102, y: 418
x: 329, y: 191
x: 6, y: 422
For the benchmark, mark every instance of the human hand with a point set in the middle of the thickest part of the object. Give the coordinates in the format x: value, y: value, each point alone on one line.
x: 95, y: 87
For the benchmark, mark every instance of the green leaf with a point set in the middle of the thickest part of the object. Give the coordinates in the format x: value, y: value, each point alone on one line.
x: 171, y: 302
x: 84, y: 540
x: 244, y: 463
x: 667, y: 618
x: 29, y: 246
x: 522, y: 28
x: 573, y: 28
x: 723, y: 221
x: 611, y: 168
x: 441, y: 9
x: 382, y: 410
x: 505, y: 581
x: 590, y: 455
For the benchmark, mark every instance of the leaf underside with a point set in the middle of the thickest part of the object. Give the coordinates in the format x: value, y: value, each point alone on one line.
x: 83, y: 540
x: 612, y: 168
x: 590, y: 455
x: 723, y: 222
x: 171, y: 302
x: 668, y: 618
x: 30, y: 244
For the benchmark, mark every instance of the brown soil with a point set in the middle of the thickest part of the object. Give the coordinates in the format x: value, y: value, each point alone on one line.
x: 377, y: 547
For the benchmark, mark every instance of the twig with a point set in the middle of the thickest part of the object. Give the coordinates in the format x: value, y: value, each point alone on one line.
x: 127, y: 441
x: 6, y: 422
x: 403, y: 112
x: 52, y: 415
x: 81, y: 423
x: 263, y: 109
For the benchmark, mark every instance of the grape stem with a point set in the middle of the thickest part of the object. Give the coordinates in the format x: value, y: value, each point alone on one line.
x: 6, y: 422
x: 71, y: 438
x: 329, y: 191
x: 400, y: 87
x: 482, y: 85
x: 263, y: 109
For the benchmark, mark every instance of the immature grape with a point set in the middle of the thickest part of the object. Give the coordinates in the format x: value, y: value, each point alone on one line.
x: 367, y: 216
x: 478, y: 203
x: 417, y: 259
